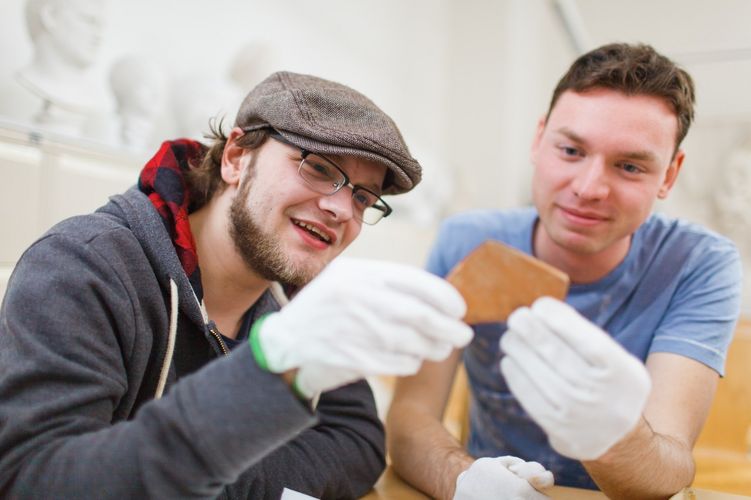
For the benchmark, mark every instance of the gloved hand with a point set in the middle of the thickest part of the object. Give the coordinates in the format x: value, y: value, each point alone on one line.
x: 360, y: 318
x: 574, y: 380
x: 503, y: 478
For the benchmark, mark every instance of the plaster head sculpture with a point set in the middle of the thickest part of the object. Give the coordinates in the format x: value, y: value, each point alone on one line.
x: 733, y: 198
x: 137, y: 84
x: 66, y: 35
x: 428, y: 203
x: 66, y: 30
x: 250, y: 65
x: 195, y: 98
x: 198, y: 96
x: 732, y: 203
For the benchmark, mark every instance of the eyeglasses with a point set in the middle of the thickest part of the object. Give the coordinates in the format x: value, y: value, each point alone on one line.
x: 327, y: 178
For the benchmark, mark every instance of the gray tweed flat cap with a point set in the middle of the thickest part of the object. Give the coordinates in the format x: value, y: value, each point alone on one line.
x: 322, y: 116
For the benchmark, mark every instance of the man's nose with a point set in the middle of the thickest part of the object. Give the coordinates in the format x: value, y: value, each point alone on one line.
x: 339, y: 204
x: 591, y: 180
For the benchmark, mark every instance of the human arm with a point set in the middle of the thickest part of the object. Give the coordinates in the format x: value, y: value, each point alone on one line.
x: 74, y: 349
x: 425, y: 454
x: 422, y: 451
x: 361, y: 318
x: 591, y: 398
x: 678, y: 405
x: 342, y: 456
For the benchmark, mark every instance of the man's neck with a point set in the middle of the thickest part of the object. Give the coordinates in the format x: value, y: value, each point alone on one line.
x: 581, y: 267
x: 229, y: 287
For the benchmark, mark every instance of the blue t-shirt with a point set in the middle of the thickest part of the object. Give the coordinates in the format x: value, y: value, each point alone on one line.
x: 677, y: 290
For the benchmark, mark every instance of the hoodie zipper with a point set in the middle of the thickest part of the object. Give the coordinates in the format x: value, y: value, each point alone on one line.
x: 219, y: 340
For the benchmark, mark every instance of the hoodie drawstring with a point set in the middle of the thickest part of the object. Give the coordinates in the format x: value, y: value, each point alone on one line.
x: 170, y: 340
x: 276, y: 290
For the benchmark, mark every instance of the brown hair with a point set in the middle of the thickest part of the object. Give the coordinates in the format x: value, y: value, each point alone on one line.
x: 634, y: 70
x: 205, y: 179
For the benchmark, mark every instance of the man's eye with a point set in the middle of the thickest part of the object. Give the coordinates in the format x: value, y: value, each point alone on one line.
x: 361, y: 199
x: 317, y: 170
x: 321, y: 169
x: 630, y: 168
x: 569, y: 151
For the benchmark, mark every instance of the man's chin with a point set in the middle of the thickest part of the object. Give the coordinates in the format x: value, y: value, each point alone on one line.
x: 302, y: 274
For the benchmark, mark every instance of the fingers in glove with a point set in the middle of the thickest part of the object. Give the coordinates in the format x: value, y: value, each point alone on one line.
x: 583, y: 336
x: 538, y: 337
x: 490, y: 478
x: 408, y: 279
x: 509, y: 460
x: 379, y: 362
x: 542, y: 374
x: 431, y: 289
x: 541, y: 405
x: 401, y: 340
x: 539, y: 477
x: 396, y: 309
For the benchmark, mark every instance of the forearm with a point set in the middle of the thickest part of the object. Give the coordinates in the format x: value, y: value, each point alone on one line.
x: 425, y: 454
x: 187, y: 444
x: 644, y: 464
x: 341, y: 457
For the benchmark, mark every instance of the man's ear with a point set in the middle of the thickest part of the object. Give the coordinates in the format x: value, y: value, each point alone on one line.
x: 232, y: 158
x: 671, y: 174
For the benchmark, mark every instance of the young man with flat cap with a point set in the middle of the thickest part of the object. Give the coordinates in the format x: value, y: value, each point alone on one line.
x: 150, y: 349
x: 610, y: 388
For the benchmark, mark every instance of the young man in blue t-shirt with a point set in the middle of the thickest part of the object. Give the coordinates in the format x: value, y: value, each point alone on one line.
x: 611, y: 388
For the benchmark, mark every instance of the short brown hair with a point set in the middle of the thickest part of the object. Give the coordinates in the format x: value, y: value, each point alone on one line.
x: 205, y: 179
x: 634, y: 70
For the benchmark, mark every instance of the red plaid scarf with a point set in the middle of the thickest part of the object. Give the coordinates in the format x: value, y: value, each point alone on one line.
x: 162, y: 181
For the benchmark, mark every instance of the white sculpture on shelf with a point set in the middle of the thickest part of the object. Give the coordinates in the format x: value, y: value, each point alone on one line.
x: 60, y: 94
x: 198, y: 97
x: 733, y: 198
x: 138, y: 86
x: 732, y: 203
x: 250, y: 65
x: 427, y: 204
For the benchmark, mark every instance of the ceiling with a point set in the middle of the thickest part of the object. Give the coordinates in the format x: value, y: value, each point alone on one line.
x: 711, y: 39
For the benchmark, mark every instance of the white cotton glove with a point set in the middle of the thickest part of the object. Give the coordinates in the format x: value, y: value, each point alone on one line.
x: 503, y: 478
x: 360, y: 318
x: 574, y: 380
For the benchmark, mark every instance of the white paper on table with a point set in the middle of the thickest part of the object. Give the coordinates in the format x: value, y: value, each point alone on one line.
x: 289, y: 494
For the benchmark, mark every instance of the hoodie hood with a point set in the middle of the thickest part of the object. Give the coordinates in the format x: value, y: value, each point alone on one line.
x: 156, y: 211
x: 162, y: 180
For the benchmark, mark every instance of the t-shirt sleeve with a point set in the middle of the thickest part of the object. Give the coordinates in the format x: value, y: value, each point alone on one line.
x: 704, y: 309
x: 438, y: 258
x: 458, y: 235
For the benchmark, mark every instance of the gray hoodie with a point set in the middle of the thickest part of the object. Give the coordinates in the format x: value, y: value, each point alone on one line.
x: 113, y: 386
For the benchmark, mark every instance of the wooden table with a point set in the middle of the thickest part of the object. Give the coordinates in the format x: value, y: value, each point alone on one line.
x: 391, y: 487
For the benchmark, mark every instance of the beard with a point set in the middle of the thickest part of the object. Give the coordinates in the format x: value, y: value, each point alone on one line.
x: 260, y: 250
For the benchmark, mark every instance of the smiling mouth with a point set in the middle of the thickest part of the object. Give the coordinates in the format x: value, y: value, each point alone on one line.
x: 584, y: 215
x: 313, y: 230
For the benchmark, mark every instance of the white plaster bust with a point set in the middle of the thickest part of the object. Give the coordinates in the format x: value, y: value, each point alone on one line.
x: 199, y: 97
x: 427, y: 204
x: 66, y: 35
x: 137, y: 84
x: 733, y: 198
x: 250, y: 65
x: 732, y: 203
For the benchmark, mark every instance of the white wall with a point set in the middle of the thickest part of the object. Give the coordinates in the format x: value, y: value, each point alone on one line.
x: 466, y: 80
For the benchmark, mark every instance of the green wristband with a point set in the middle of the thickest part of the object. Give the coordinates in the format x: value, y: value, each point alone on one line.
x: 255, y: 342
